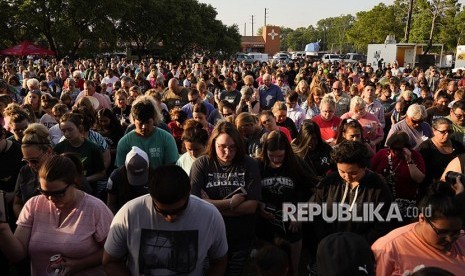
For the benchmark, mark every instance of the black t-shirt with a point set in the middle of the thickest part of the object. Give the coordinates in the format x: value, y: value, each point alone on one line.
x: 219, y: 181
x: 290, y: 125
x: 233, y: 97
x: 10, y: 164
x: 435, y: 161
x: 119, y: 186
x: 90, y: 155
x: 320, y: 159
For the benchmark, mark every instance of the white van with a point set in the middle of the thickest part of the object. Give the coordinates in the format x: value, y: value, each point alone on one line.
x: 261, y: 57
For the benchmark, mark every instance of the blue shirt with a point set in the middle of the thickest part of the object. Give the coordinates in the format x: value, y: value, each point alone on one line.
x: 268, y: 96
x: 189, y: 107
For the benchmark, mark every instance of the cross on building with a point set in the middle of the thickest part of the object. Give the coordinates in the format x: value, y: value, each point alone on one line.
x: 272, y: 34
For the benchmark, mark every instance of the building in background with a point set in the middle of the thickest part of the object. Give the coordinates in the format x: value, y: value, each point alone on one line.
x: 269, y: 42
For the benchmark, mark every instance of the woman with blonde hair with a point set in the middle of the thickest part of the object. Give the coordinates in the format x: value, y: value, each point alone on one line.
x: 36, y: 147
x: 303, y: 90
x: 61, y: 219
x: 312, y: 104
x: 279, y: 110
x: 206, y: 95
x: 33, y: 98
x: 372, y: 130
x: 327, y: 120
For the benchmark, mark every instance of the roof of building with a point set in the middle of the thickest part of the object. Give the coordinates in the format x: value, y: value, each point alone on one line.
x: 252, y: 39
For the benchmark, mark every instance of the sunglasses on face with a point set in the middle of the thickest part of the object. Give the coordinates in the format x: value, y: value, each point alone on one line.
x: 416, y: 122
x: 172, y: 212
x: 33, y: 161
x: 56, y: 194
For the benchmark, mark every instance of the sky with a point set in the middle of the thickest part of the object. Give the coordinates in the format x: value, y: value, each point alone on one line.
x: 289, y: 13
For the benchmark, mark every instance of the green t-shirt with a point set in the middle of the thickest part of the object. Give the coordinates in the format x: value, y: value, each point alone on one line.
x: 89, y: 152
x: 160, y: 147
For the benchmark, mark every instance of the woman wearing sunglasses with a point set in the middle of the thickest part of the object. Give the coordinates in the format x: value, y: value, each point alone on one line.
x: 61, y: 220
x: 438, y: 151
x: 36, y: 148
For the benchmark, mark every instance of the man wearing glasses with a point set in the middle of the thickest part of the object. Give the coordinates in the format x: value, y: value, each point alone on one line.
x: 167, y: 232
x: 414, y: 125
x: 194, y: 97
x: 341, y: 98
x: 457, y: 116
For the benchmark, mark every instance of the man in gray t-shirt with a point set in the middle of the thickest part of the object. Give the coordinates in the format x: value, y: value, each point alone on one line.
x: 168, y: 232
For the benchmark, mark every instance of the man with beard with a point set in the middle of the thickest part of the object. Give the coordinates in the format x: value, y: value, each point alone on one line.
x: 439, y: 109
x: 457, y: 116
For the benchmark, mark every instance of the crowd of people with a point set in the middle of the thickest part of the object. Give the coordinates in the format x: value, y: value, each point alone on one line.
x: 161, y: 168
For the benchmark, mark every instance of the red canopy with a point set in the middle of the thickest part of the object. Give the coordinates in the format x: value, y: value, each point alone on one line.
x: 26, y: 48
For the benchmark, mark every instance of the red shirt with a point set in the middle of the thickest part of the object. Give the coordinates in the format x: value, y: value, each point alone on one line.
x: 406, y: 187
x: 329, y: 128
x: 286, y: 133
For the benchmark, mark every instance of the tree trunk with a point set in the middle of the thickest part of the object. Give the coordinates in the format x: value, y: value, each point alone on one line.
x: 409, y: 20
x: 430, y: 40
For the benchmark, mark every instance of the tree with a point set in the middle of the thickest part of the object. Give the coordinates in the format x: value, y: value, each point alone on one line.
x: 373, y: 26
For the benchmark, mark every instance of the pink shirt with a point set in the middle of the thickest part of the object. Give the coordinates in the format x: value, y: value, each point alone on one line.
x: 81, y: 233
x: 371, y: 126
x: 402, y: 249
x: 103, y: 101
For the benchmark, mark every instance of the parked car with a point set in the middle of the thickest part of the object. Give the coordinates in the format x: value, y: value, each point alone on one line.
x: 282, y: 57
x: 261, y: 57
x: 332, y: 58
x: 242, y: 56
x: 298, y: 56
x: 354, y: 58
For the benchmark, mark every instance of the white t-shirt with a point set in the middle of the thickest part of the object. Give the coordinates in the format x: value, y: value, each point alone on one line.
x: 109, y: 82
x: 185, y: 161
x: 154, y: 246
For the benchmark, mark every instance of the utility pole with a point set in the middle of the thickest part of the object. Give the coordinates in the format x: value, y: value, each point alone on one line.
x: 409, y: 20
x: 245, y: 28
x: 266, y: 13
x: 252, y: 24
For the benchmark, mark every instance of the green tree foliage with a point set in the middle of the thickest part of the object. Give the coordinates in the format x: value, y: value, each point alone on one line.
x: 77, y: 27
x: 373, y: 26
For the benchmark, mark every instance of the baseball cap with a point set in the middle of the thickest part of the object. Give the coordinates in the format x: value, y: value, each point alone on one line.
x: 344, y: 253
x: 137, y: 167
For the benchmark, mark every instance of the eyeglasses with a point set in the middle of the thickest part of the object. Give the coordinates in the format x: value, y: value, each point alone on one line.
x: 459, y: 116
x: 227, y: 114
x: 443, y: 132
x: 224, y: 147
x: 33, y: 161
x: 56, y: 194
x: 416, y: 122
x: 173, y: 212
x: 446, y: 233
x: 193, y: 101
